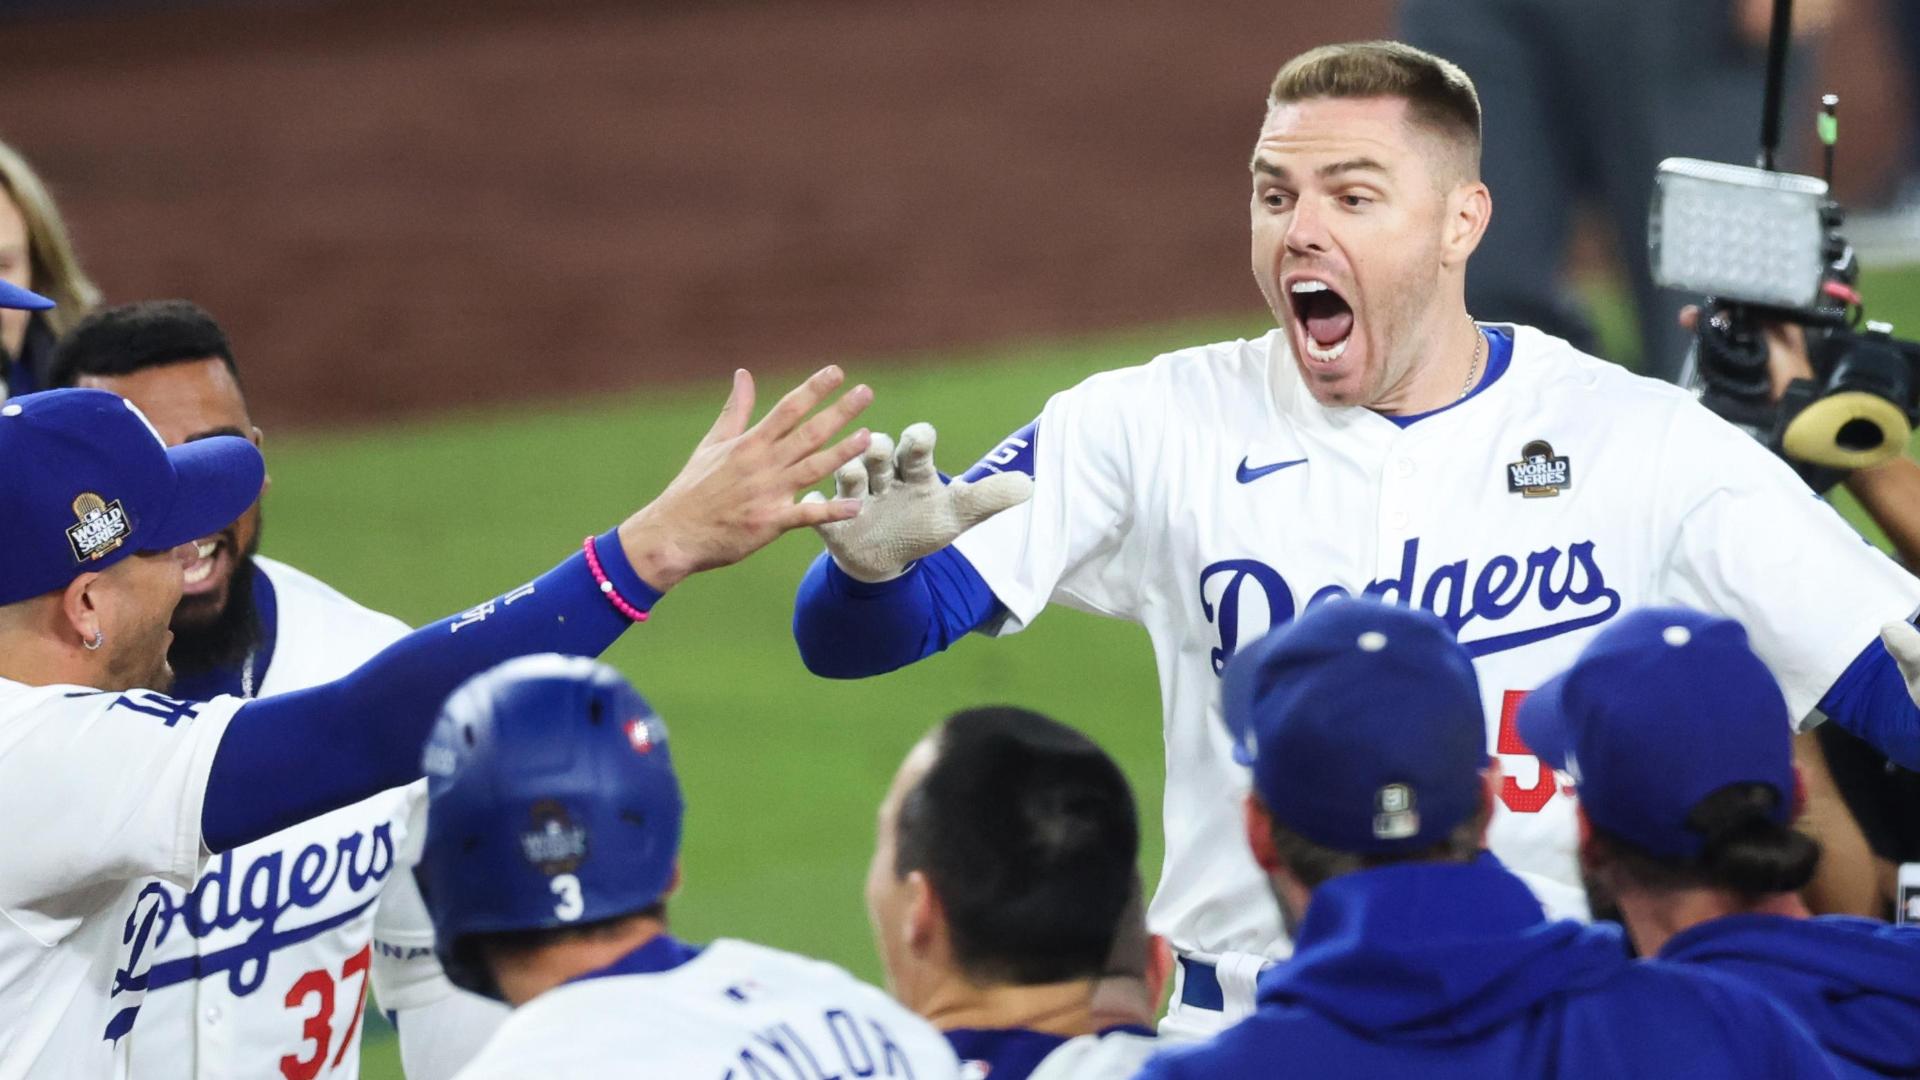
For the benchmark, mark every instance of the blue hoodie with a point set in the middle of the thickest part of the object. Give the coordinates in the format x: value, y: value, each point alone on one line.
x: 1854, y: 982
x: 1452, y: 970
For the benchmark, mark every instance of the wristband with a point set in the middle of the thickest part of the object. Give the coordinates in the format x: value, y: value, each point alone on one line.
x: 607, y: 590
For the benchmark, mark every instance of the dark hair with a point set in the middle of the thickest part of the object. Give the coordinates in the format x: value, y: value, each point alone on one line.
x: 128, y: 338
x: 1747, y: 852
x: 1315, y: 864
x: 1440, y: 95
x: 1026, y: 830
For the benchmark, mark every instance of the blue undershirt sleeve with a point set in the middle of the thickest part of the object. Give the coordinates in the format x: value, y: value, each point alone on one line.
x: 1870, y: 700
x: 285, y: 759
x: 850, y: 629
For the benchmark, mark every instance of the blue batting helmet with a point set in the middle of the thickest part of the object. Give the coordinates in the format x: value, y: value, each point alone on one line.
x: 551, y: 802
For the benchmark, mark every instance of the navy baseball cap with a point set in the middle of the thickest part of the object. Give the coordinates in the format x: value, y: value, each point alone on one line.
x: 19, y: 299
x: 85, y: 481
x: 1362, y: 724
x: 1661, y: 709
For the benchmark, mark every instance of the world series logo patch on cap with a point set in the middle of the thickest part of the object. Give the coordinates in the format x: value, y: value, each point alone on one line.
x: 101, y: 529
x: 1539, y: 474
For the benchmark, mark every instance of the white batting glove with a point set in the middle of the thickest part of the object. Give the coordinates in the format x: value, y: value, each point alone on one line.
x: 906, y: 513
x: 1903, y: 641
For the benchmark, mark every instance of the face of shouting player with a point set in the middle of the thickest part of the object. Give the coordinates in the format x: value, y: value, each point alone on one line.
x: 1362, y: 223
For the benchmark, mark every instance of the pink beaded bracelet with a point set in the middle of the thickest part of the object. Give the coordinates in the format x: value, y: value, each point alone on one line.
x: 606, y: 586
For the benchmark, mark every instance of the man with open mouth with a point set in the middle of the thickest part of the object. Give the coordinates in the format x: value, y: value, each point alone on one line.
x: 1378, y: 442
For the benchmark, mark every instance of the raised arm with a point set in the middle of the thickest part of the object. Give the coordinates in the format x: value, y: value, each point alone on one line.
x: 289, y: 758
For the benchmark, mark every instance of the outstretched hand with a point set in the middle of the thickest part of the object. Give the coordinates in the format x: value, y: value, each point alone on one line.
x: 909, y: 514
x: 737, y: 492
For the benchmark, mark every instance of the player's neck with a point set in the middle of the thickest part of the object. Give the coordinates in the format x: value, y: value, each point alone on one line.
x: 31, y: 656
x: 1654, y: 919
x: 1452, y: 364
x: 1064, y: 1008
x: 525, y: 974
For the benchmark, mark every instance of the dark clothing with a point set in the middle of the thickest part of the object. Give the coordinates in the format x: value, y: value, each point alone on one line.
x: 1452, y: 970
x: 1883, y: 797
x: 1582, y: 101
x: 1854, y: 982
x: 32, y: 370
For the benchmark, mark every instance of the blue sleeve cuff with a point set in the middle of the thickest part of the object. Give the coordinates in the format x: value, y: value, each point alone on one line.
x: 626, y: 581
x: 1870, y: 700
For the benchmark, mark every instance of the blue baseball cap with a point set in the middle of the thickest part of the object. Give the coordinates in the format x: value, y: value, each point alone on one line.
x: 19, y: 299
x: 551, y: 802
x: 85, y: 481
x: 1362, y: 724
x: 1661, y: 709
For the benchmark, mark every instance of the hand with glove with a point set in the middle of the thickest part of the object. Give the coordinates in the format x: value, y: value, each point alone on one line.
x: 906, y: 513
x: 1903, y: 642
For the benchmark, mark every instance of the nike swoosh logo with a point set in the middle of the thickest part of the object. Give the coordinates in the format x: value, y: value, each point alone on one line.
x: 1248, y: 476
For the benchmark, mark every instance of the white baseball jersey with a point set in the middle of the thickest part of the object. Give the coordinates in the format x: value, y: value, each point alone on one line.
x: 1207, y: 496
x: 737, y: 1011
x: 1116, y: 1055
x: 100, y: 792
x: 441, y: 1026
x: 261, y: 969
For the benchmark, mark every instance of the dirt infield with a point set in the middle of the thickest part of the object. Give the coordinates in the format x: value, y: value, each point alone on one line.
x: 393, y: 207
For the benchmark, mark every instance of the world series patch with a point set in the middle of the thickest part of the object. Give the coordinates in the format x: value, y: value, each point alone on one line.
x: 1540, y: 473
x: 102, y: 527
x: 553, y: 843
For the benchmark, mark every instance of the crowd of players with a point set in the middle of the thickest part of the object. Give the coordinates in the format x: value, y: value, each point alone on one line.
x: 215, y: 767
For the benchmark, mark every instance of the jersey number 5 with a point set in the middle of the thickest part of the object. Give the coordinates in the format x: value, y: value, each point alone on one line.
x: 1521, y: 800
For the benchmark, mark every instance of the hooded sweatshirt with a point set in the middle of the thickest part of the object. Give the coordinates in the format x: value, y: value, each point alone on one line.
x: 1854, y: 982
x: 1453, y: 970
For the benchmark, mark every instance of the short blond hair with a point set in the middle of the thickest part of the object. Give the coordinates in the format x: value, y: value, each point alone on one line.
x: 56, y: 272
x: 1439, y: 95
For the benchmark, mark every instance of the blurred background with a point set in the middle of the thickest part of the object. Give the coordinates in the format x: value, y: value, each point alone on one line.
x: 485, y: 266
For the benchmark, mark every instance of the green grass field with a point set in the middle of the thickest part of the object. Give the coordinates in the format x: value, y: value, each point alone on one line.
x: 782, y: 770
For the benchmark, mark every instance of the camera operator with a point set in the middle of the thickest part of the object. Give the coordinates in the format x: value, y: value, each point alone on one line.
x: 1873, y: 825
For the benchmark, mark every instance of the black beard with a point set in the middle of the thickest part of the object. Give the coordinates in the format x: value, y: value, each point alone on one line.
x: 225, y: 640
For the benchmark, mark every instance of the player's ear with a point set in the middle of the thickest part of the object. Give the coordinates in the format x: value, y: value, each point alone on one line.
x: 1159, y: 968
x: 673, y: 883
x: 1799, y: 793
x: 1469, y: 209
x: 259, y: 438
x: 80, y: 609
x: 1591, y: 857
x: 1489, y: 795
x: 925, y: 926
x: 1260, y: 834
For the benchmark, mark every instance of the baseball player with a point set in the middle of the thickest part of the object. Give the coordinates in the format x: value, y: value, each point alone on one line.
x: 1415, y: 952
x: 553, y: 842
x: 1697, y: 845
x: 106, y: 782
x: 248, y: 968
x: 1378, y: 443
x: 1006, y: 900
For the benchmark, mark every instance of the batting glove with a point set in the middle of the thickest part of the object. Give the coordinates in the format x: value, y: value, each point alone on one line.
x: 1903, y: 642
x: 906, y: 513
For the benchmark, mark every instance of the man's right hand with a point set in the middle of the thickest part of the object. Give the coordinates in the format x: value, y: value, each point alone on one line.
x: 736, y: 494
x: 909, y: 514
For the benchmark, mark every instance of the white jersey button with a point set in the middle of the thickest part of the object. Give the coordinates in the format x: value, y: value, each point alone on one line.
x: 213, y: 1014
x: 1403, y: 467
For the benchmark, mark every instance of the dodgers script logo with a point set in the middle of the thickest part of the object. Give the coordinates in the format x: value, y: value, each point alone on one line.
x: 1567, y: 591
x: 267, y: 893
